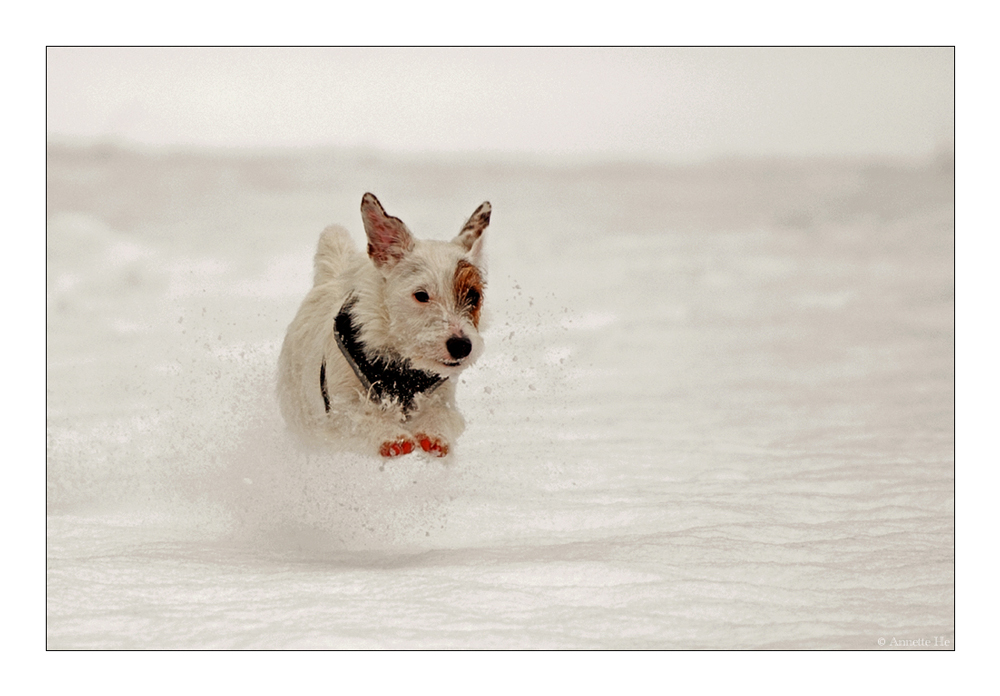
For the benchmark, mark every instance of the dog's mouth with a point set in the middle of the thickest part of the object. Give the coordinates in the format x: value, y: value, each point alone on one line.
x: 446, y: 363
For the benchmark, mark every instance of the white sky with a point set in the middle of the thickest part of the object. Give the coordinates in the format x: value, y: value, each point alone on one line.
x: 657, y: 103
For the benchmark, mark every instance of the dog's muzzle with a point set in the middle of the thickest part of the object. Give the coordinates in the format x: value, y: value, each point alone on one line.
x: 458, y: 347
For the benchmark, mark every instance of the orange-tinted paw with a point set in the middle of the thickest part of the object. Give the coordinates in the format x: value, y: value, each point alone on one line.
x: 396, y: 448
x: 433, y: 445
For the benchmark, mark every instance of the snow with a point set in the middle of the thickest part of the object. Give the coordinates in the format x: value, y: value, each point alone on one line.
x: 716, y: 409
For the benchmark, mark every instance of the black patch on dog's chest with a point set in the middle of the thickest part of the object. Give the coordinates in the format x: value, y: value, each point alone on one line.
x: 385, y: 380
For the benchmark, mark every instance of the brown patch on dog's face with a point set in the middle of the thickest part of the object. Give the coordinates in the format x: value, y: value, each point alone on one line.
x: 469, y: 290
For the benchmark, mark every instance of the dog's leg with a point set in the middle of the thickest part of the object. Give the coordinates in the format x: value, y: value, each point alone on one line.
x: 432, y: 445
x: 395, y: 448
x: 387, y: 435
x: 437, y: 423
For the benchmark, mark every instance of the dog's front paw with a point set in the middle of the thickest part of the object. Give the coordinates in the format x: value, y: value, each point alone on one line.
x: 397, y: 447
x: 432, y: 445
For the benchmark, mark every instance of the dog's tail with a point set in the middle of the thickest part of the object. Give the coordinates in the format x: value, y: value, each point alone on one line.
x: 333, y: 250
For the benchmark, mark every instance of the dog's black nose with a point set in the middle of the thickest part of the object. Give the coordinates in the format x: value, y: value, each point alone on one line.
x: 459, y: 346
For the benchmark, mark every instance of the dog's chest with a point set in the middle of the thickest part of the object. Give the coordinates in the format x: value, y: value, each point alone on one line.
x: 390, y: 383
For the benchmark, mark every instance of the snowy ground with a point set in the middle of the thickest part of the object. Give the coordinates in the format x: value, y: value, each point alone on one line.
x: 716, y: 410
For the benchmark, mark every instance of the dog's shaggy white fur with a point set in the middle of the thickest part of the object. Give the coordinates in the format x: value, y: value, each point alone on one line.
x: 408, y: 316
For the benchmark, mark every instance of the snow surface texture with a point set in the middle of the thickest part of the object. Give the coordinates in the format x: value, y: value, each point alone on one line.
x: 715, y: 411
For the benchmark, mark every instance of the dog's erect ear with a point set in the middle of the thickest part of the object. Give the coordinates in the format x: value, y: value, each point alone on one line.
x: 388, y: 238
x: 473, y: 229
x: 477, y: 256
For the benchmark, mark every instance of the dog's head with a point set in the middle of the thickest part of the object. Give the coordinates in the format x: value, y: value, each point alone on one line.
x: 432, y: 291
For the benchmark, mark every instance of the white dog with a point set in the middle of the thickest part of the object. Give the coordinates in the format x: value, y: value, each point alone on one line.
x: 377, y: 345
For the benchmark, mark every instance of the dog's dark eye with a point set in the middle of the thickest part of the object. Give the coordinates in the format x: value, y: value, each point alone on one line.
x: 421, y: 296
x: 472, y: 298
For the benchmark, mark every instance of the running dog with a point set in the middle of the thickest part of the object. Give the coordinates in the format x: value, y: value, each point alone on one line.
x: 375, y: 350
